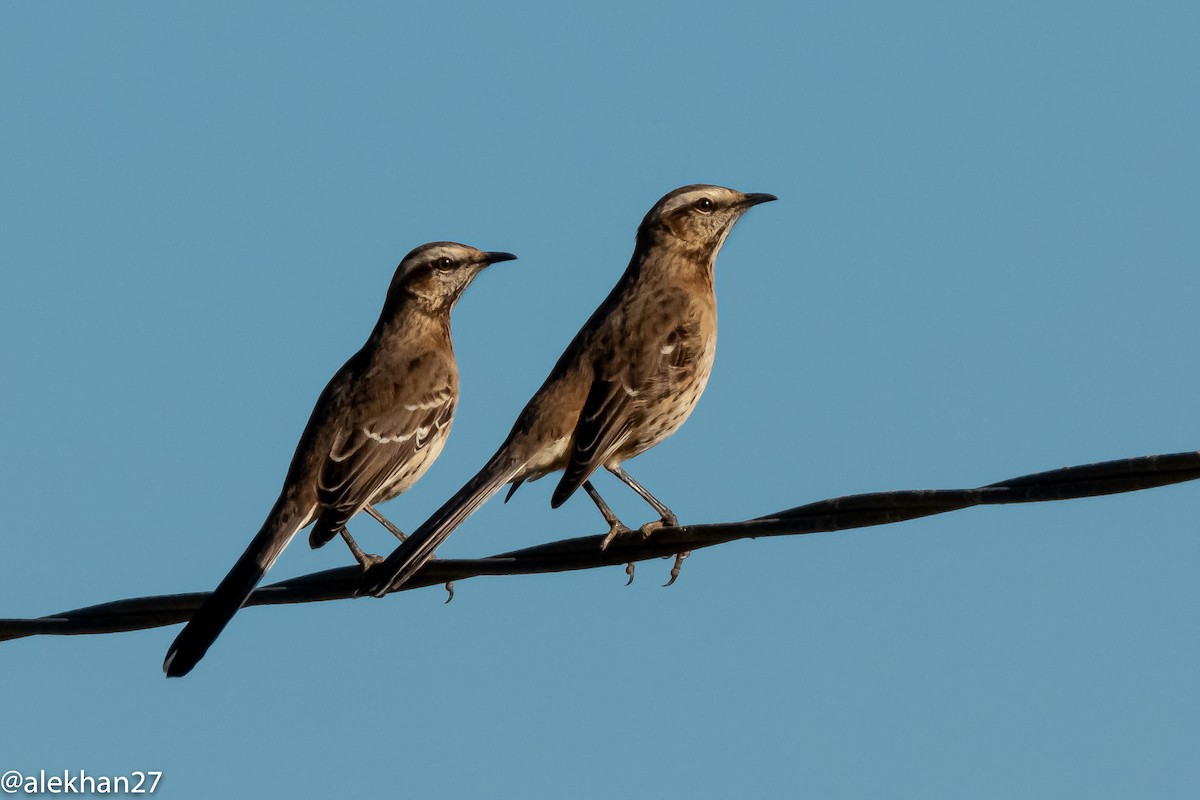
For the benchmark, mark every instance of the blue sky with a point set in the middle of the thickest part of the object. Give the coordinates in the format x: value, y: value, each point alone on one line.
x: 984, y: 263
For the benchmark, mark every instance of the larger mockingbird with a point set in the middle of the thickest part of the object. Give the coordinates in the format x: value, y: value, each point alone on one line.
x: 379, y: 424
x: 628, y: 380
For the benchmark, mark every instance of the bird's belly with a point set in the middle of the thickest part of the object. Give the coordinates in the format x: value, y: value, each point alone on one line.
x: 675, y: 399
x: 548, y: 459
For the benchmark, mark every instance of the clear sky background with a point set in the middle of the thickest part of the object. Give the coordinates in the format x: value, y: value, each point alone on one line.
x: 983, y: 263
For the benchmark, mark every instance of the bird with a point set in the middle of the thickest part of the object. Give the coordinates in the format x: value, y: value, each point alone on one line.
x: 375, y: 429
x: 627, y: 381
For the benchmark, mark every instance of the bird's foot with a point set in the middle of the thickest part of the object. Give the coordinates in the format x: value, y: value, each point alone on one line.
x: 666, y: 522
x: 615, y: 529
x: 367, y: 560
x: 679, y: 557
x: 449, y: 591
x: 629, y: 572
x: 650, y: 527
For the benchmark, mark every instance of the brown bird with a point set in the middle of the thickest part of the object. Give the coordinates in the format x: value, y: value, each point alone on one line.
x: 628, y: 379
x: 379, y: 424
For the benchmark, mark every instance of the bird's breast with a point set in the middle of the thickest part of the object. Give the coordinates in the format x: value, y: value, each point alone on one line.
x: 673, y: 389
x: 410, y: 471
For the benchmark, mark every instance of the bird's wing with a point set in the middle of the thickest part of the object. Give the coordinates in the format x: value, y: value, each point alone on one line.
x: 367, y: 455
x: 602, y: 426
x: 638, y: 364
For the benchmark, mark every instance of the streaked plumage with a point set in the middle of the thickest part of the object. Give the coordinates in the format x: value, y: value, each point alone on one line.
x: 628, y: 380
x: 376, y: 428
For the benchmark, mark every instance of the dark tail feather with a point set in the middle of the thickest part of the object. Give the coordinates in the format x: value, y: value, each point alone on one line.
x: 513, y: 489
x: 418, y: 548
x: 214, y: 614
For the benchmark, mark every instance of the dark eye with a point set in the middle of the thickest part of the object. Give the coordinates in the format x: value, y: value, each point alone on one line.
x: 704, y: 205
x: 445, y: 262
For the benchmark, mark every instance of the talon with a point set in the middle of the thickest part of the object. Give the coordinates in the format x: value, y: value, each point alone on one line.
x: 613, y: 532
x: 679, y: 557
x: 629, y: 572
x: 449, y: 591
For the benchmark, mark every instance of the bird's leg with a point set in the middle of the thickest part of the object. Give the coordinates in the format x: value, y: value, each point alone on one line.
x: 667, y: 515
x: 385, y: 522
x: 399, y: 534
x: 668, y: 518
x: 615, y: 526
x: 365, y: 560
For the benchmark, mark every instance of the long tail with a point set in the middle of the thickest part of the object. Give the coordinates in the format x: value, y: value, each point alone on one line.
x: 211, y: 618
x: 418, y: 548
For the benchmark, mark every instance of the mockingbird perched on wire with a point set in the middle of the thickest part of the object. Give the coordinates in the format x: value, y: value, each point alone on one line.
x: 628, y: 379
x: 379, y: 424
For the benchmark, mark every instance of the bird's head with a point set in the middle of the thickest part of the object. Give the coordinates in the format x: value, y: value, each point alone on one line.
x: 698, y: 216
x: 436, y: 274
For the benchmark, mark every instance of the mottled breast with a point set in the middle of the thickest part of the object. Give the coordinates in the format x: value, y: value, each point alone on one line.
x: 684, y: 350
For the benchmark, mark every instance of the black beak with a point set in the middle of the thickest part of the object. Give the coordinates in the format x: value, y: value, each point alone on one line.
x: 497, y: 257
x: 756, y: 198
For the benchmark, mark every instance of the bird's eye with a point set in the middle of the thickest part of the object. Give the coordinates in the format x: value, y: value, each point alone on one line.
x: 704, y: 205
x: 445, y: 262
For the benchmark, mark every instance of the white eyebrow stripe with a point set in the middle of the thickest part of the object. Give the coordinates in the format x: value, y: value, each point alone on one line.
x: 712, y: 192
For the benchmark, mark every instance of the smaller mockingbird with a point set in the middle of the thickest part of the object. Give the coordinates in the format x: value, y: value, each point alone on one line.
x: 378, y: 425
x: 627, y: 381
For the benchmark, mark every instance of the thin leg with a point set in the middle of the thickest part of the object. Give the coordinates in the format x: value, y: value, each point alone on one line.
x: 385, y: 522
x: 364, y: 560
x: 615, y: 526
x: 399, y: 534
x: 667, y: 515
